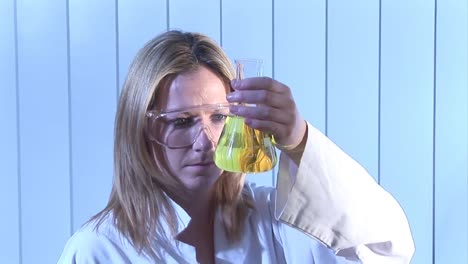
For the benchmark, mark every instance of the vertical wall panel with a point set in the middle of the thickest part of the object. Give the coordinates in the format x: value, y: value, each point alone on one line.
x: 353, y: 79
x: 247, y: 30
x: 9, y: 203
x: 247, y: 33
x: 93, y: 79
x: 138, y: 22
x: 407, y: 66
x: 301, y: 64
x: 185, y: 15
x: 451, y: 135
x: 44, y: 128
x: 290, y: 36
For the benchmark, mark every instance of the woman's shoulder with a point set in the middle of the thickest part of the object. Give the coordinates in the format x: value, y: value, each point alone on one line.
x: 85, y: 244
x: 94, y: 243
x: 88, y: 236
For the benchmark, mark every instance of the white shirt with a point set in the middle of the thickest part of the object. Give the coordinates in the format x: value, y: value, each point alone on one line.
x: 328, y: 210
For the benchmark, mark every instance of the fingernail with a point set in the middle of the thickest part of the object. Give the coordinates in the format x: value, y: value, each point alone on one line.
x: 232, y: 97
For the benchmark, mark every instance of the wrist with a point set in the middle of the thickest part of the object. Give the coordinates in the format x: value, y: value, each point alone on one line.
x: 299, y: 144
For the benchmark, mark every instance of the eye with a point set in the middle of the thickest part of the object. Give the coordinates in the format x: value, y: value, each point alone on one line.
x: 218, y: 118
x: 181, y: 122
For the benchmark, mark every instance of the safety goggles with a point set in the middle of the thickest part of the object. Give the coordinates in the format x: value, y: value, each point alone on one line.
x: 179, y: 128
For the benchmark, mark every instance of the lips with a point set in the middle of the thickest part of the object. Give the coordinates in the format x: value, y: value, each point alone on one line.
x: 204, y: 160
x: 201, y: 163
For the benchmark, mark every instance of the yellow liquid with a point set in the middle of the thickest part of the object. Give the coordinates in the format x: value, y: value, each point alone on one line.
x: 244, y: 149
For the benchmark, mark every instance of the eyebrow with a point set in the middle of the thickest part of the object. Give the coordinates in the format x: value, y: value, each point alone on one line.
x: 176, y: 113
x: 217, y: 107
x: 209, y: 106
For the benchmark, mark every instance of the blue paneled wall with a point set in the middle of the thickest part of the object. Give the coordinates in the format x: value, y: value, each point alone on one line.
x: 385, y: 79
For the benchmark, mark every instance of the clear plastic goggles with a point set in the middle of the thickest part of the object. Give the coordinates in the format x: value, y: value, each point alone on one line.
x: 179, y: 128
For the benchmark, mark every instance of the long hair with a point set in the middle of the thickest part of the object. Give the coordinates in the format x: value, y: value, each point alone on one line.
x: 138, y: 204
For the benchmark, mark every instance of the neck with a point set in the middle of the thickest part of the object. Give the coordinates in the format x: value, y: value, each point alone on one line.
x: 200, y: 208
x: 201, y: 211
x: 196, y: 204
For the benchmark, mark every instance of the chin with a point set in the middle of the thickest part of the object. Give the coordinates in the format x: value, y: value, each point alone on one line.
x: 200, y: 181
x: 198, y: 189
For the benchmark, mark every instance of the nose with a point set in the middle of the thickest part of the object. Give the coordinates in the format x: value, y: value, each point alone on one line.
x: 203, y: 141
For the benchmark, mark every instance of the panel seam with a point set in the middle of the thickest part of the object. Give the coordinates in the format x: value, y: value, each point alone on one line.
x: 18, y: 135
x: 167, y: 15
x: 434, y: 113
x: 273, y: 62
x: 117, y: 49
x: 221, y: 23
x: 379, y: 94
x: 70, y: 132
x: 326, y: 67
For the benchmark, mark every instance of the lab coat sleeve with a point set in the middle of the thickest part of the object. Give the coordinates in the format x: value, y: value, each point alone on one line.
x: 333, y: 199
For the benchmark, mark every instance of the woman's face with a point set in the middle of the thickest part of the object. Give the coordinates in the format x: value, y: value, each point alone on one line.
x: 194, y: 165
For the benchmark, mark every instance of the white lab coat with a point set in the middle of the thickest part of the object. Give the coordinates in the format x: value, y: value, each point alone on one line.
x: 328, y: 210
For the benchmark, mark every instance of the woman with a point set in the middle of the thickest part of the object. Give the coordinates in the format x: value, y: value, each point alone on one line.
x: 171, y: 204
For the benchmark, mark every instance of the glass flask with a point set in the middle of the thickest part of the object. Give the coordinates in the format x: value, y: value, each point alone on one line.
x: 241, y: 148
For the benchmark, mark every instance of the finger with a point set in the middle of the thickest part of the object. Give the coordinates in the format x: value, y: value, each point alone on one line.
x: 259, y: 83
x: 260, y: 97
x: 279, y: 131
x: 262, y: 112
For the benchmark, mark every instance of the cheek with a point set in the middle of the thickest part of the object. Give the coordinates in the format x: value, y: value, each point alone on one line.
x: 174, y: 159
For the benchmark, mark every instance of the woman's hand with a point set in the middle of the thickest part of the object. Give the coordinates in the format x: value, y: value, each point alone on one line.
x: 275, y: 113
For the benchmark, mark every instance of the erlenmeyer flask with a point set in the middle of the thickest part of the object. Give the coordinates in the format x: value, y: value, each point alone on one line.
x: 240, y: 147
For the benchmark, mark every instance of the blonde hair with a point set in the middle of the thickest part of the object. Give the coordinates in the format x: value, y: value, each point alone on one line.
x: 138, y: 204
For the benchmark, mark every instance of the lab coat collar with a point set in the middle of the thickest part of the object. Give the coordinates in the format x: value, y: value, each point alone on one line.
x: 183, y: 217
x: 225, y: 251
x: 188, y: 251
x: 245, y: 250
